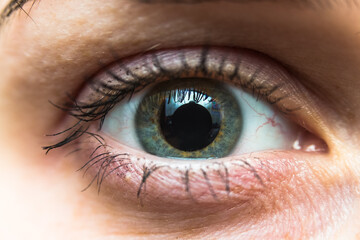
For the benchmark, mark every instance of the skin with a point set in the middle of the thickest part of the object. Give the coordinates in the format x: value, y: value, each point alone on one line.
x: 48, y: 55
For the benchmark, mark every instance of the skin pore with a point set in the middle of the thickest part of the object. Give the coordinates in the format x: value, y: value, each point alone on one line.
x: 48, y: 54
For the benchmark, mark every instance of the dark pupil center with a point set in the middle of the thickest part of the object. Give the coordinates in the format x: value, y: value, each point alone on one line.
x: 190, y: 128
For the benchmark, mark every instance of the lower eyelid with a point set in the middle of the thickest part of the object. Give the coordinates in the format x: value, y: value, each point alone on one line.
x: 254, y: 186
x: 146, y: 178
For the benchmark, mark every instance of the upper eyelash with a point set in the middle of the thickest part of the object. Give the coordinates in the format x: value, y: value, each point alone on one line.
x: 107, y: 158
x: 109, y: 95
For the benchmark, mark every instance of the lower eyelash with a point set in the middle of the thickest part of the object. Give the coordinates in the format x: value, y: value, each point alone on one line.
x: 106, y: 163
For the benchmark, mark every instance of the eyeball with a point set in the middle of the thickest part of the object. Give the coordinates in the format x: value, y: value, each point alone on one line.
x: 199, y: 119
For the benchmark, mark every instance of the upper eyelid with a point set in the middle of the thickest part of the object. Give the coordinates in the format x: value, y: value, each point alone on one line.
x: 131, y: 79
x: 150, y: 67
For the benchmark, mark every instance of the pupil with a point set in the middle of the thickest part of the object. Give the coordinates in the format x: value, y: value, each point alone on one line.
x: 189, y: 128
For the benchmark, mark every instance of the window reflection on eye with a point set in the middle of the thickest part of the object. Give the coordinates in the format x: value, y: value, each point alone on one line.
x: 209, y: 113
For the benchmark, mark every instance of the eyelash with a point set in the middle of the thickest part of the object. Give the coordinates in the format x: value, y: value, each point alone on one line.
x: 106, y: 95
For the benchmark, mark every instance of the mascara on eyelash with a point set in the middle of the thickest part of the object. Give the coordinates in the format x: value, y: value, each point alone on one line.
x: 121, y: 80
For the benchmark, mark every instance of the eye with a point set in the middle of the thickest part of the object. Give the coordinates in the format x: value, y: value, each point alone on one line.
x: 199, y: 118
x: 133, y: 129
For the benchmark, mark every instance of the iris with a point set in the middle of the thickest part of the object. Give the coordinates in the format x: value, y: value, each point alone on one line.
x: 188, y: 118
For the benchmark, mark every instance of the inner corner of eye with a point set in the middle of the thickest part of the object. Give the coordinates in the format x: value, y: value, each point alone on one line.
x: 204, y: 119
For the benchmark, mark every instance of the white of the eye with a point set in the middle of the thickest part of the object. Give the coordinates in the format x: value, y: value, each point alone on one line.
x: 263, y: 128
x: 120, y: 122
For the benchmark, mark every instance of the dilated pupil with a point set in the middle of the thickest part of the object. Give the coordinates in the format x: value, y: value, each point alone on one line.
x: 189, y: 128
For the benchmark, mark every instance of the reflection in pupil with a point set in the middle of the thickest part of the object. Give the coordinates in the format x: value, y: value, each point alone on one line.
x: 190, y: 126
